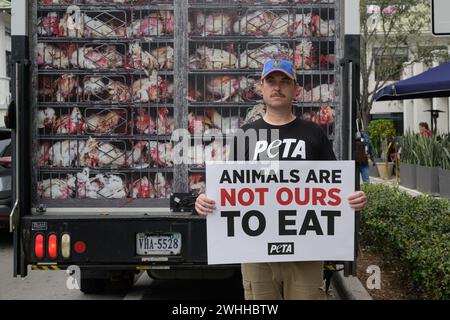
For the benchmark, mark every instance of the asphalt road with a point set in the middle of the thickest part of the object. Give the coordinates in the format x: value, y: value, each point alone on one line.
x: 51, y: 285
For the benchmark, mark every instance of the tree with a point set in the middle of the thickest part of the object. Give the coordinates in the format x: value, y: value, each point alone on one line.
x: 388, y: 30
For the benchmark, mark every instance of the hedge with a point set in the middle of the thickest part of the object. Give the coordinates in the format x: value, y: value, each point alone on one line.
x: 415, y: 231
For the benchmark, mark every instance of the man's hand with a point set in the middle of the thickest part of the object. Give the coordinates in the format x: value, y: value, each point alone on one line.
x: 204, y: 205
x: 358, y: 200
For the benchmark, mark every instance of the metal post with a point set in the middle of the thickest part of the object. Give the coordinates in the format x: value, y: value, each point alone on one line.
x: 352, y: 60
x: 181, y: 84
x: 21, y: 132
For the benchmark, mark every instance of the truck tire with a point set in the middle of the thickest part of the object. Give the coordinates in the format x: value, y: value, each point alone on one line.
x: 92, y: 286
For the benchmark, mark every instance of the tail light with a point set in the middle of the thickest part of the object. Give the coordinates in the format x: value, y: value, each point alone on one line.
x: 65, y: 246
x: 39, y: 246
x: 79, y: 247
x: 53, y: 246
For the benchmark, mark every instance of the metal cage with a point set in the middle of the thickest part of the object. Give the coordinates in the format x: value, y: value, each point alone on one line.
x: 114, y: 79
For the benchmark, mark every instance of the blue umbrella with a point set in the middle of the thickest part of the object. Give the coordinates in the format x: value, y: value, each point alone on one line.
x: 433, y: 83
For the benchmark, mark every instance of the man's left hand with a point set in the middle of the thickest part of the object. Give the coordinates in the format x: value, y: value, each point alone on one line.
x: 358, y: 200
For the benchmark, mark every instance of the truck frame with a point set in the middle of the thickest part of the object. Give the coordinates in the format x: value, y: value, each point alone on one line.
x: 99, y: 232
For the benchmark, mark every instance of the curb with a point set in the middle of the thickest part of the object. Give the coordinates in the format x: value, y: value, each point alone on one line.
x: 349, y: 288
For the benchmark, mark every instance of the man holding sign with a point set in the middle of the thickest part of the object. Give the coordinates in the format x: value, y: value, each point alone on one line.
x: 279, y: 219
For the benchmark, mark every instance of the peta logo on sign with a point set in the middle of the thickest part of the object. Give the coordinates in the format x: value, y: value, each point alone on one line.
x: 281, y: 248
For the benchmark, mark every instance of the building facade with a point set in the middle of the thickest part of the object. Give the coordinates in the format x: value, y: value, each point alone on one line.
x: 407, y: 114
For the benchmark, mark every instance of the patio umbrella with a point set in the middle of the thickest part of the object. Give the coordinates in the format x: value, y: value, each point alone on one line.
x: 433, y: 83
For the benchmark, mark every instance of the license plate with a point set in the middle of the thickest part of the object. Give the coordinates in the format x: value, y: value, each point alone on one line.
x: 158, y: 244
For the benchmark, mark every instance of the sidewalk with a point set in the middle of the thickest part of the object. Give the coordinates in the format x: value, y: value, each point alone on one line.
x: 393, y: 183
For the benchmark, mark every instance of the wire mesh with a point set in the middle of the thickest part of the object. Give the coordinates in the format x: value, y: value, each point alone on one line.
x: 105, y: 71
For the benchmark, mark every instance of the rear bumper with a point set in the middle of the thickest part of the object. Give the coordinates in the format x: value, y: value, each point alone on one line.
x: 111, y: 241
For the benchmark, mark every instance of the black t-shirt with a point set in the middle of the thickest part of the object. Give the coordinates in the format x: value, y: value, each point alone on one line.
x: 297, y: 140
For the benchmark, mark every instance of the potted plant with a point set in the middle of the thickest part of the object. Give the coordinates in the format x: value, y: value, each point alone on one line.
x: 428, y: 154
x: 408, y: 161
x: 382, y: 133
x: 444, y: 170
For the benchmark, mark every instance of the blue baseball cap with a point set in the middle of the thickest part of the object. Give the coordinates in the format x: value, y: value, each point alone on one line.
x: 285, y: 66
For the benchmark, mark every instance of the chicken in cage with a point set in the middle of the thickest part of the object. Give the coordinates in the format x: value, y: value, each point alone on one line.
x: 65, y: 153
x: 198, y: 153
x: 104, y: 24
x: 100, y: 186
x: 318, y: 93
x: 217, y: 23
x: 60, y: 88
x: 46, y: 119
x: 161, y: 154
x: 43, y: 154
x: 53, y: 56
x: 257, y: 54
x: 111, y: 56
x: 323, y: 116
x: 212, y: 59
x: 145, y: 123
x: 152, y: 89
x: 56, y: 2
x: 71, y: 123
x: 161, y: 186
x: 154, y: 24
x: 262, y: 22
x: 197, y: 183
x: 61, y: 188
x: 165, y: 122
x: 47, y: 25
x: 221, y: 2
x: 104, y: 121
x: 139, y: 155
x: 142, y: 188
x: 158, y: 121
x: 101, y: 154
x: 159, y: 58
x: 224, y: 88
x: 255, y: 113
x: 198, y: 123
x: 106, y: 89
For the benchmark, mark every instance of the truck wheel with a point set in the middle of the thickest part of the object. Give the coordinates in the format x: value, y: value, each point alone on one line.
x: 92, y: 286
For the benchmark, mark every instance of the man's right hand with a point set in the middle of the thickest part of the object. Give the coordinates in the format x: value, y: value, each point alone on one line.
x: 204, y: 205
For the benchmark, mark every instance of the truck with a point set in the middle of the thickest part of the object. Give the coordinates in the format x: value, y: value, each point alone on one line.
x: 100, y: 89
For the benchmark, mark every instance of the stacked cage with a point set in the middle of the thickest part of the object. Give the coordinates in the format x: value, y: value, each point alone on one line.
x: 104, y: 105
x: 229, y: 42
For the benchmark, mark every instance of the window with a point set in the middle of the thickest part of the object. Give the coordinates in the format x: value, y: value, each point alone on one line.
x: 389, y: 63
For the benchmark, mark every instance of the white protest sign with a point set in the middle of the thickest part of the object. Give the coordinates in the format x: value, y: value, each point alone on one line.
x: 280, y: 211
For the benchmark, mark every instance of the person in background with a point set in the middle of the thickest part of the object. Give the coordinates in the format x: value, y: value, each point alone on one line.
x: 363, y: 153
x: 425, y: 130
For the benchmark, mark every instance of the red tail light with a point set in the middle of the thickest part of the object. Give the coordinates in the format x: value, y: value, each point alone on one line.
x: 52, y: 246
x: 39, y: 246
x: 79, y: 247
